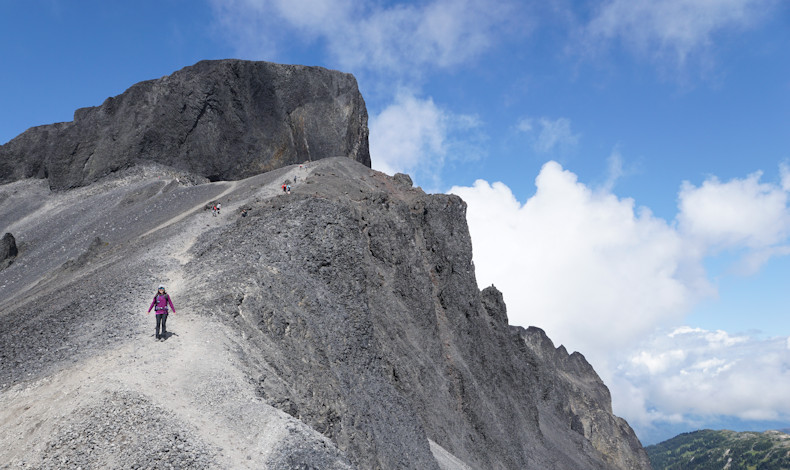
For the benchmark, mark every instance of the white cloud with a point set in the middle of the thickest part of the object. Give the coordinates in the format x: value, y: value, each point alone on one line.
x: 549, y: 134
x: 752, y: 261
x: 602, y: 276
x: 396, y: 38
x: 784, y: 171
x: 717, y: 374
x: 580, y: 264
x: 416, y: 136
x: 737, y: 213
x: 713, y: 366
x: 656, y: 363
x: 525, y: 124
x: 407, y: 133
x: 715, y: 339
x: 614, y: 170
x: 673, y: 29
x: 316, y: 16
x: 242, y: 22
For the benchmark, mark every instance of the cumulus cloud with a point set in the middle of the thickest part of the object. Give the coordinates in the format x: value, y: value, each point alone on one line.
x: 407, y: 133
x: 549, y: 134
x: 740, y: 213
x: 708, y: 373
x: 675, y: 29
x: 656, y: 362
x: 601, y: 276
x: 591, y: 269
x: 415, y: 136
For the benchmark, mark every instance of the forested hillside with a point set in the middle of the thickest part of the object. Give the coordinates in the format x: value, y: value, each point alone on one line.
x: 709, y: 449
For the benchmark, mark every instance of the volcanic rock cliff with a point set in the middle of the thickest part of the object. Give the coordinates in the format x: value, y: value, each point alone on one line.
x: 223, y: 120
x: 338, y: 326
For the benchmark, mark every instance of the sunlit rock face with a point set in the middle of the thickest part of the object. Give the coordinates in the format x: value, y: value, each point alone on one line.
x: 335, y: 326
x: 222, y: 120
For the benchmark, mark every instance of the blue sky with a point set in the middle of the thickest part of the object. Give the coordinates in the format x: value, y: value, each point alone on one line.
x: 625, y: 162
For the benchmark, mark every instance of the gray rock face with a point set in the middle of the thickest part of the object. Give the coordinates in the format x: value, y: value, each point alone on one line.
x: 403, y: 179
x: 222, y: 120
x: 494, y: 304
x: 349, y: 306
x: 574, y: 398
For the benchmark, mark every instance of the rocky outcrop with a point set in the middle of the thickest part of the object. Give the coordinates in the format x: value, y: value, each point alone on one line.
x: 222, y: 120
x: 494, y: 304
x: 575, y: 398
x: 8, y: 250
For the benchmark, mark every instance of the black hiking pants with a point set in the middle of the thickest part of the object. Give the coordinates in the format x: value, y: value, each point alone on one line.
x: 161, y: 319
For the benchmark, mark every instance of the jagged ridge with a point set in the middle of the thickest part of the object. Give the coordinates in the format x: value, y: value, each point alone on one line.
x: 350, y: 305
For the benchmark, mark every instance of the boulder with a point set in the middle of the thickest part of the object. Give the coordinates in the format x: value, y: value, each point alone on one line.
x: 8, y: 250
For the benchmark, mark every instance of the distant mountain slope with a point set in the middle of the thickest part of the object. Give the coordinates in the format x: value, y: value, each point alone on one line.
x: 731, y: 450
x: 218, y: 119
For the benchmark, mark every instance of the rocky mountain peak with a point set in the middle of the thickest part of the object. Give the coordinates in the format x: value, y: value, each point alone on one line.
x: 221, y: 119
x: 335, y: 326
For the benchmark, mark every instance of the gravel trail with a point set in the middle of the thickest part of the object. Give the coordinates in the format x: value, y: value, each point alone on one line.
x: 183, y: 402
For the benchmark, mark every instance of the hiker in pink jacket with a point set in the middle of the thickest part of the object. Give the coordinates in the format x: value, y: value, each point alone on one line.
x: 159, y: 304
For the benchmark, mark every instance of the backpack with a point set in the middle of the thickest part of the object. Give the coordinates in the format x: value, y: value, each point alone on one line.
x: 156, y: 307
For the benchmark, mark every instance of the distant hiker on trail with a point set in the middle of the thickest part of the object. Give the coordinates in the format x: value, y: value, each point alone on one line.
x: 283, y: 187
x: 288, y: 189
x: 214, y: 210
x: 219, y: 206
x: 160, y: 303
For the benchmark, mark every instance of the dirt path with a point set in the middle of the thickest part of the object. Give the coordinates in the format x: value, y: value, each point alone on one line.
x: 193, y: 374
x: 232, y: 185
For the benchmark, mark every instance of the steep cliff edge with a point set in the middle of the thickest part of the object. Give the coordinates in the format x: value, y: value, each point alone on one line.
x: 368, y: 295
x: 222, y: 120
x: 339, y: 326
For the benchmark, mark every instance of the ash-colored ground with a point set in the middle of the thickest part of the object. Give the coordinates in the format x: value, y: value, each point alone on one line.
x: 339, y: 326
x: 189, y: 385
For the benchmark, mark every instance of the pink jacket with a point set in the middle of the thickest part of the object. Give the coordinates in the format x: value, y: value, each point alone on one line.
x: 161, y: 301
